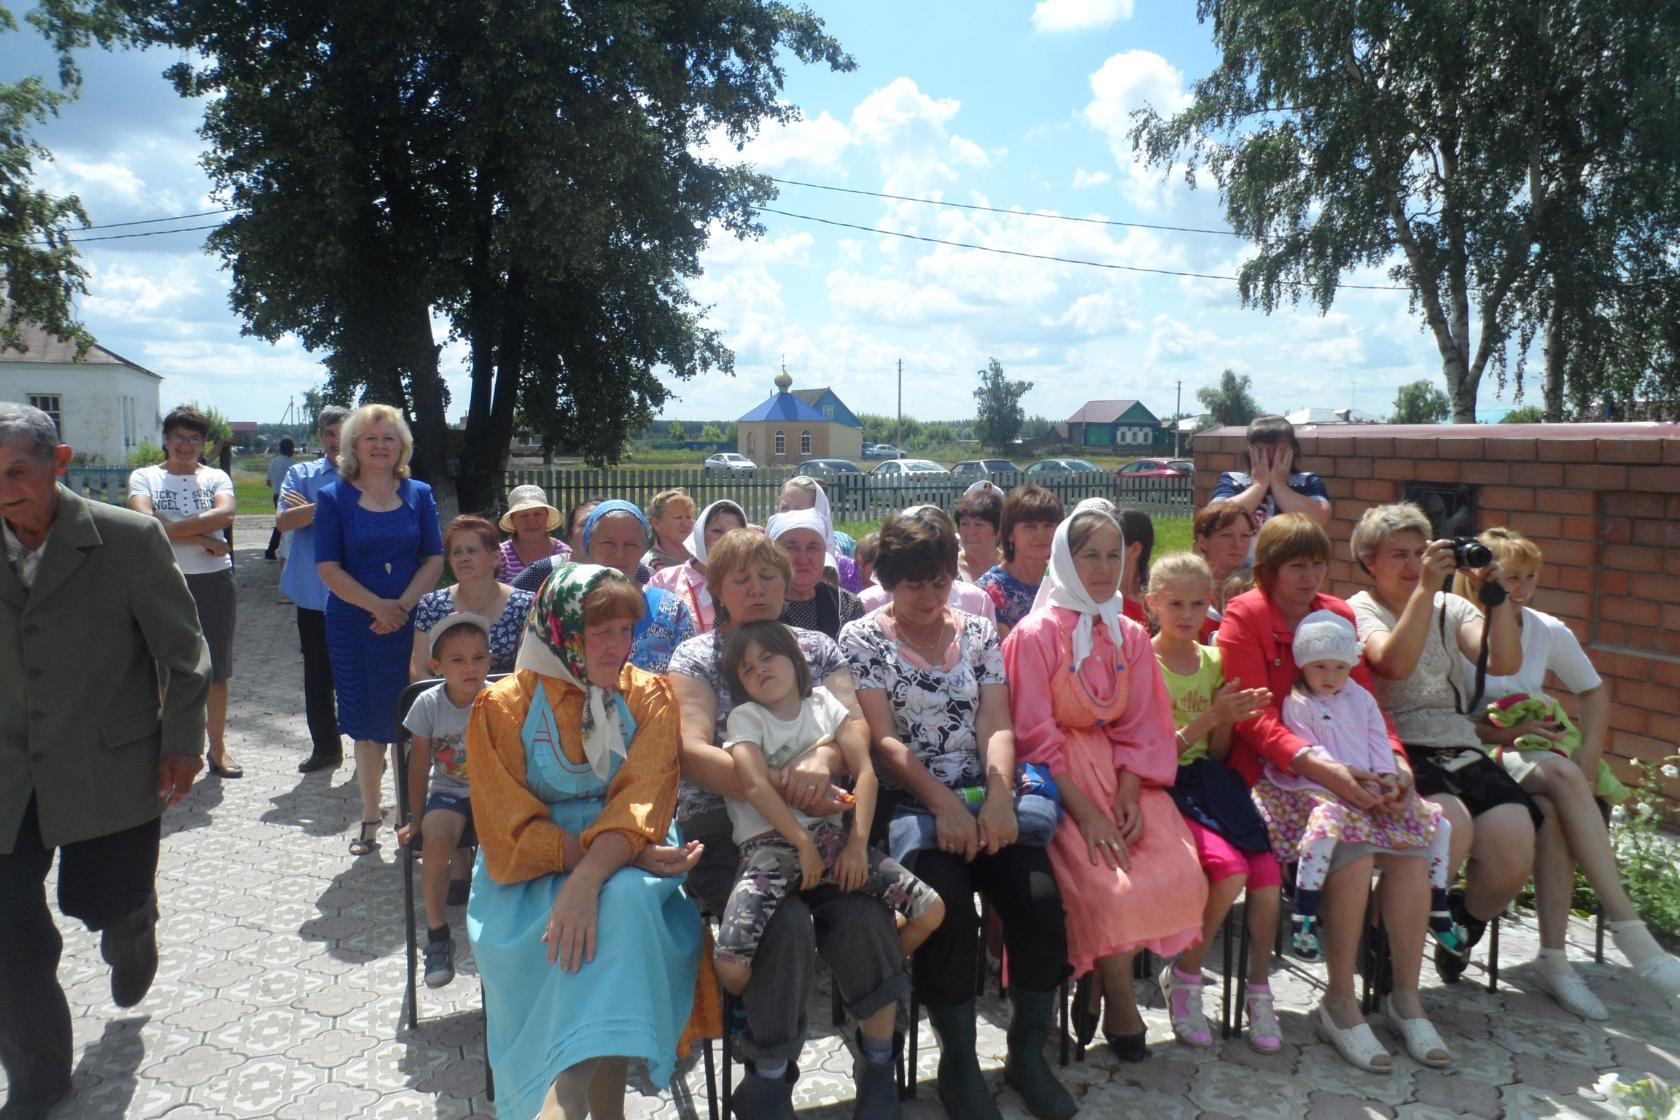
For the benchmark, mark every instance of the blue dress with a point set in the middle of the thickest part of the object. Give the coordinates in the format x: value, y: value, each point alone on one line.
x: 632, y: 1000
x: 666, y: 624
x: 380, y: 551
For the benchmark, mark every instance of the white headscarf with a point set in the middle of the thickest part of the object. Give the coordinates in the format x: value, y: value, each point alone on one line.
x: 697, y: 536
x: 1062, y: 586
x: 816, y: 520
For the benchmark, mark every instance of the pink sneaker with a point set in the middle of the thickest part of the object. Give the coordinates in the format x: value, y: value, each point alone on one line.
x: 1184, y: 1005
x: 1264, y: 1034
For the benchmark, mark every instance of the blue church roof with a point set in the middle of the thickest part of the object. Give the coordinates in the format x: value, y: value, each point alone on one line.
x: 786, y: 407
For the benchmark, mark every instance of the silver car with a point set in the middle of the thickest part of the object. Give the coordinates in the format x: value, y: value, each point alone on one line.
x: 731, y: 463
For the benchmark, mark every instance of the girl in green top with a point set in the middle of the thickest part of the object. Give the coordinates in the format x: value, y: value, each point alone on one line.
x: 1230, y: 838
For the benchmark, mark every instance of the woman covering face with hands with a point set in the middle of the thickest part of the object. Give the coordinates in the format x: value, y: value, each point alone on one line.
x: 1274, y: 482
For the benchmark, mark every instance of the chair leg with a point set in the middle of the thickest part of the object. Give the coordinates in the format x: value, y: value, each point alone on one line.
x: 907, y: 1063
x: 1598, y: 935
x: 411, y: 997
x: 1065, y: 1026
x: 711, y: 1080
x: 1493, y: 953
x: 728, y: 1056
x: 489, y: 1071
x: 1225, y: 973
x: 1245, y: 945
x: 837, y: 1010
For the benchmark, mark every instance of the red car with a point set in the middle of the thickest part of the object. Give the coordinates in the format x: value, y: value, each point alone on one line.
x: 1153, y: 468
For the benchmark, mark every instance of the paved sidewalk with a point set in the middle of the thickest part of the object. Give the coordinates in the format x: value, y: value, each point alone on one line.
x: 281, y: 984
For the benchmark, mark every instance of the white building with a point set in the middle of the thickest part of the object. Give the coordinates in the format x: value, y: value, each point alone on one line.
x: 104, y: 405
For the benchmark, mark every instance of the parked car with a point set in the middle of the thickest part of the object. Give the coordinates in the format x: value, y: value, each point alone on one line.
x: 1182, y: 466
x: 1152, y: 468
x: 881, y: 451
x: 972, y: 470
x: 826, y: 470
x: 907, y: 474
x: 730, y: 462
x: 1061, y: 466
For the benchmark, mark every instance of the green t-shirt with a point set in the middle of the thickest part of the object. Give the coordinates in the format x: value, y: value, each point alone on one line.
x: 1191, y: 696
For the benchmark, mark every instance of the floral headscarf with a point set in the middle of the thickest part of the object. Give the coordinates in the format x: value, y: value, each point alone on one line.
x: 553, y: 646
x: 1062, y: 586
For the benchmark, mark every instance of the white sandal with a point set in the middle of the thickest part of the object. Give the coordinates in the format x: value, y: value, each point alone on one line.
x: 1422, y: 1040
x: 1358, y: 1045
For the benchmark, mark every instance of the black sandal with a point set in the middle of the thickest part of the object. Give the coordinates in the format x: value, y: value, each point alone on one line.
x: 1129, y: 1047
x: 220, y: 769
x: 365, y: 844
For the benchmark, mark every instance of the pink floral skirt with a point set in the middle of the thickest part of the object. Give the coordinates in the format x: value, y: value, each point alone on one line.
x: 1297, y: 817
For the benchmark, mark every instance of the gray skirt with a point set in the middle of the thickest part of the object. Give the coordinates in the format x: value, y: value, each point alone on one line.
x: 217, y: 603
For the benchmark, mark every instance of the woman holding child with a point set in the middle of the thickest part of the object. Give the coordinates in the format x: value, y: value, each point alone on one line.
x: 587, y: 959
x: 931, y: 683
x: 1088, y: 703
x: 1256, y: 639
x: 747, y: 576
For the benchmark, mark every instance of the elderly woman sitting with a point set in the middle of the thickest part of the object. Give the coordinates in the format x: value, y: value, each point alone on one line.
x: 804, y: 492
x: 687, y: 581
x: 812, y: 602
x: 1414, y: 633
x: 587, y: 959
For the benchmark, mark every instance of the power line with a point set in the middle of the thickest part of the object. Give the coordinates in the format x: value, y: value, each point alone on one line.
x: 147, y: 233
x: 1000, y: 210
x: 155, y: 221
x: 1040, y: 256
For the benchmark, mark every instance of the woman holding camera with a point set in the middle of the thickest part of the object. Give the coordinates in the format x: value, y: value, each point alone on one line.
x: 1414, y: 633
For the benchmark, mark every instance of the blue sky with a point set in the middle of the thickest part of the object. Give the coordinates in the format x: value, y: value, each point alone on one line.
x: 1021, y: 106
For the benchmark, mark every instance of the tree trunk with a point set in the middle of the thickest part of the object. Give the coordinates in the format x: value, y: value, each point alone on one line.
x: 431, y: 462
x: 1557, y: 359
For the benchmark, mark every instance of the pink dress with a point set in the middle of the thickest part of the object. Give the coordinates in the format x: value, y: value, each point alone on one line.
x: 1114, y: 714
x: 687, y: 582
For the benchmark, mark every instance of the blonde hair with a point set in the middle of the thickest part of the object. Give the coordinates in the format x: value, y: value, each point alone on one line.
x: 666, y: 499
x: 1380, y: 523
x: 1512, y: 551
x: 1179, y: 566
x: 361, y: 420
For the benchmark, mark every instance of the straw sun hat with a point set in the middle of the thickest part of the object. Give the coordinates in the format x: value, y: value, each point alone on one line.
x: 522, y: 498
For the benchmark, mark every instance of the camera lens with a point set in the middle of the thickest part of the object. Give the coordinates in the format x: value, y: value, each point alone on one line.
x: 1471, y: 553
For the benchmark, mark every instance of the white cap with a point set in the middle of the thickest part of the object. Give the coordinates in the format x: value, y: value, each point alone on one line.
x: 1325, y: 636
x: 449, y: 621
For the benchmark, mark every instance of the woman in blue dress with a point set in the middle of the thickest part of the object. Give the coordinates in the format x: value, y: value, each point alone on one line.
x: 378, y: 549
x: 588, y: 951
x: 615, y: 535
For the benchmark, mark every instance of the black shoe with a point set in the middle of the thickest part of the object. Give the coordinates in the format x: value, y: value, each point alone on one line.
x: 1087, y: 1016
x: 759, y: 1098
x: 1129, y: 1047
x: 319, y: 762
x: 129, y: 946
x: 270, y: 556
x: 459, y: 890
x: 221, y: 769
x: 27, y: 1102
x: 875, y: 1086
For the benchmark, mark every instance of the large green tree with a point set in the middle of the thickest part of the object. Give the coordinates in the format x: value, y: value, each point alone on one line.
x: 40, y: 274
x: 1419, y: 402
x: 1428, y: 139
x: 522, y: 178
x: 1230, y: 402
x: 999, y: 416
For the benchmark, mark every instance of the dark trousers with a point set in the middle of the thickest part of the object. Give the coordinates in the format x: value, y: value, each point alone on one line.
x: 1021, y: 888
x: 318, y: 704
x: 853, y: 932
x: 101, y: 881
x: 273, y: 542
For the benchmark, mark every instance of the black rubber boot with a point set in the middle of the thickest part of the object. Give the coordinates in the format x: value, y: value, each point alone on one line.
x: 758, y: 1098
x: 962, y: 1087
x: 1031, y: 1015
x: 129, y: 946
x: 877, y: 1088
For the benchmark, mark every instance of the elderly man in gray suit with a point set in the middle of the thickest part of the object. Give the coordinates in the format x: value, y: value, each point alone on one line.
x: 93, y: 614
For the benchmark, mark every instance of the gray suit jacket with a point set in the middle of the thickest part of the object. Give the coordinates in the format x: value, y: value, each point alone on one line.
x: 82, y: 727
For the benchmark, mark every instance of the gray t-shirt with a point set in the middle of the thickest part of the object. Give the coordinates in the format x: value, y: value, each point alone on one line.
x: 1423, y: 706
x: 433, y: 717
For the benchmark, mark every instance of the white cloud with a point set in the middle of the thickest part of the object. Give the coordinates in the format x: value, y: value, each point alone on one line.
x: 1083, y: 179
x: 809, y: 145
x: 1079, y: 15
x: 908, y: 133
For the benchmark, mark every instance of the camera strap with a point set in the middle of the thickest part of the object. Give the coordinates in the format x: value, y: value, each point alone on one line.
x: 1451, y: 646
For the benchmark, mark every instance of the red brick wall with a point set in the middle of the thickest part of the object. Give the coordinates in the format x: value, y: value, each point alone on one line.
x: 1601, y: 500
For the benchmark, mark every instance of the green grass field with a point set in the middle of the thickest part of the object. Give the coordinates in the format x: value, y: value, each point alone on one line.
x: 1172, y: 534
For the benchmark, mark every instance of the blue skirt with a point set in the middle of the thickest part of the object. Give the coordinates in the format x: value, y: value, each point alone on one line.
x: 369, y: 672
x: 632, y: 1000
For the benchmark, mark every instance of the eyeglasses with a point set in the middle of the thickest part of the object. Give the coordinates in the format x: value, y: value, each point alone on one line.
x: 186, y: 439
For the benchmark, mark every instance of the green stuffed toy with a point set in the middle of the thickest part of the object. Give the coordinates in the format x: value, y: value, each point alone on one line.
x: 1521, y: 707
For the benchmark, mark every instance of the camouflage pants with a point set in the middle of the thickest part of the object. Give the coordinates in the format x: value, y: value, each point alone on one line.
x: 770, y: 869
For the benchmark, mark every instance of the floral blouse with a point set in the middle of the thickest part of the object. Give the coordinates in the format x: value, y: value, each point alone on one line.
x: 934, y: 708
x: 702, y: 658
x: 1013, y: 599
x: 666, y: 625
x: 435, y: 606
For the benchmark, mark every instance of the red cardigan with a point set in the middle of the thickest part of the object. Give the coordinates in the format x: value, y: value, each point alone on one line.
x: 1254, y: 644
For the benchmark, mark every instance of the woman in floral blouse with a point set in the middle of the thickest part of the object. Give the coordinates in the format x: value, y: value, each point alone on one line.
x: 930, y: 682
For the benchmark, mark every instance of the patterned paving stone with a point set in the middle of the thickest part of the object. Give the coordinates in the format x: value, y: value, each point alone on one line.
x: 1335, y: 1106
x: 1250, y: 1093
x: 258, y: 1087
x: 1457, y: 1091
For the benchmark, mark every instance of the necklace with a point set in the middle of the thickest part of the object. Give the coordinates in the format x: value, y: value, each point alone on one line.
x: 928, y: 649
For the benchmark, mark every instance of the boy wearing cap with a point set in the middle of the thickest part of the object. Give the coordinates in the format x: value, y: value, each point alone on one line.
x: 460, y: 654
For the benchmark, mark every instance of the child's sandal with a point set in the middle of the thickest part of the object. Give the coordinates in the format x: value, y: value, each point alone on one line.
x: 1264, y: 1033
x: 367, y: 842
x: 1184, y: 1007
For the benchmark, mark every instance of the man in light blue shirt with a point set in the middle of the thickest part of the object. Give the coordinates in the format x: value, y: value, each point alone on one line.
x: 300, y: 583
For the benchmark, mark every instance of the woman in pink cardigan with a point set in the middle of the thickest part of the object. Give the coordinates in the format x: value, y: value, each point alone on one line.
x: 1089, y: 702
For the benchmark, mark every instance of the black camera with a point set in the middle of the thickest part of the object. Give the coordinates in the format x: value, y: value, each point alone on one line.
x: 1469, y: 552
